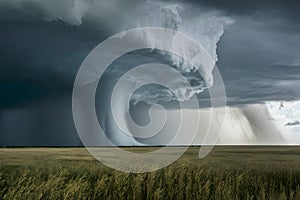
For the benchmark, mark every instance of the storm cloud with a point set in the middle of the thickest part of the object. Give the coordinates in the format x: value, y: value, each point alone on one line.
x: 42, y: 47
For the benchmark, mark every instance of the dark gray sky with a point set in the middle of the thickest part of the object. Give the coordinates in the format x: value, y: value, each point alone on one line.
x: 40, y: 53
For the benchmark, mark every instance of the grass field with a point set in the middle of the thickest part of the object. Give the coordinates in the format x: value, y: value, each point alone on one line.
x: 228, y: 172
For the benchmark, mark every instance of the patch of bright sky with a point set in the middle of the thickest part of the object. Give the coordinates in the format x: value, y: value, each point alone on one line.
x: 286, y: 112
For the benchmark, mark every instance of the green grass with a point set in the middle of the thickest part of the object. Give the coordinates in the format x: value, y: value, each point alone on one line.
x: 241, y: 172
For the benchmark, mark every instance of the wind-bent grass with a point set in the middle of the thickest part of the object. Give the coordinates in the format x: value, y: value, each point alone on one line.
x: 227, y: 173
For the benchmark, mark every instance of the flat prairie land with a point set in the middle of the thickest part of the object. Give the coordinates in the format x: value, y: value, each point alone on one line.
x: 228, y: 172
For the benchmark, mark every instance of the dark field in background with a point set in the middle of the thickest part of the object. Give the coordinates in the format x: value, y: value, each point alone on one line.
x: 228, y: 172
